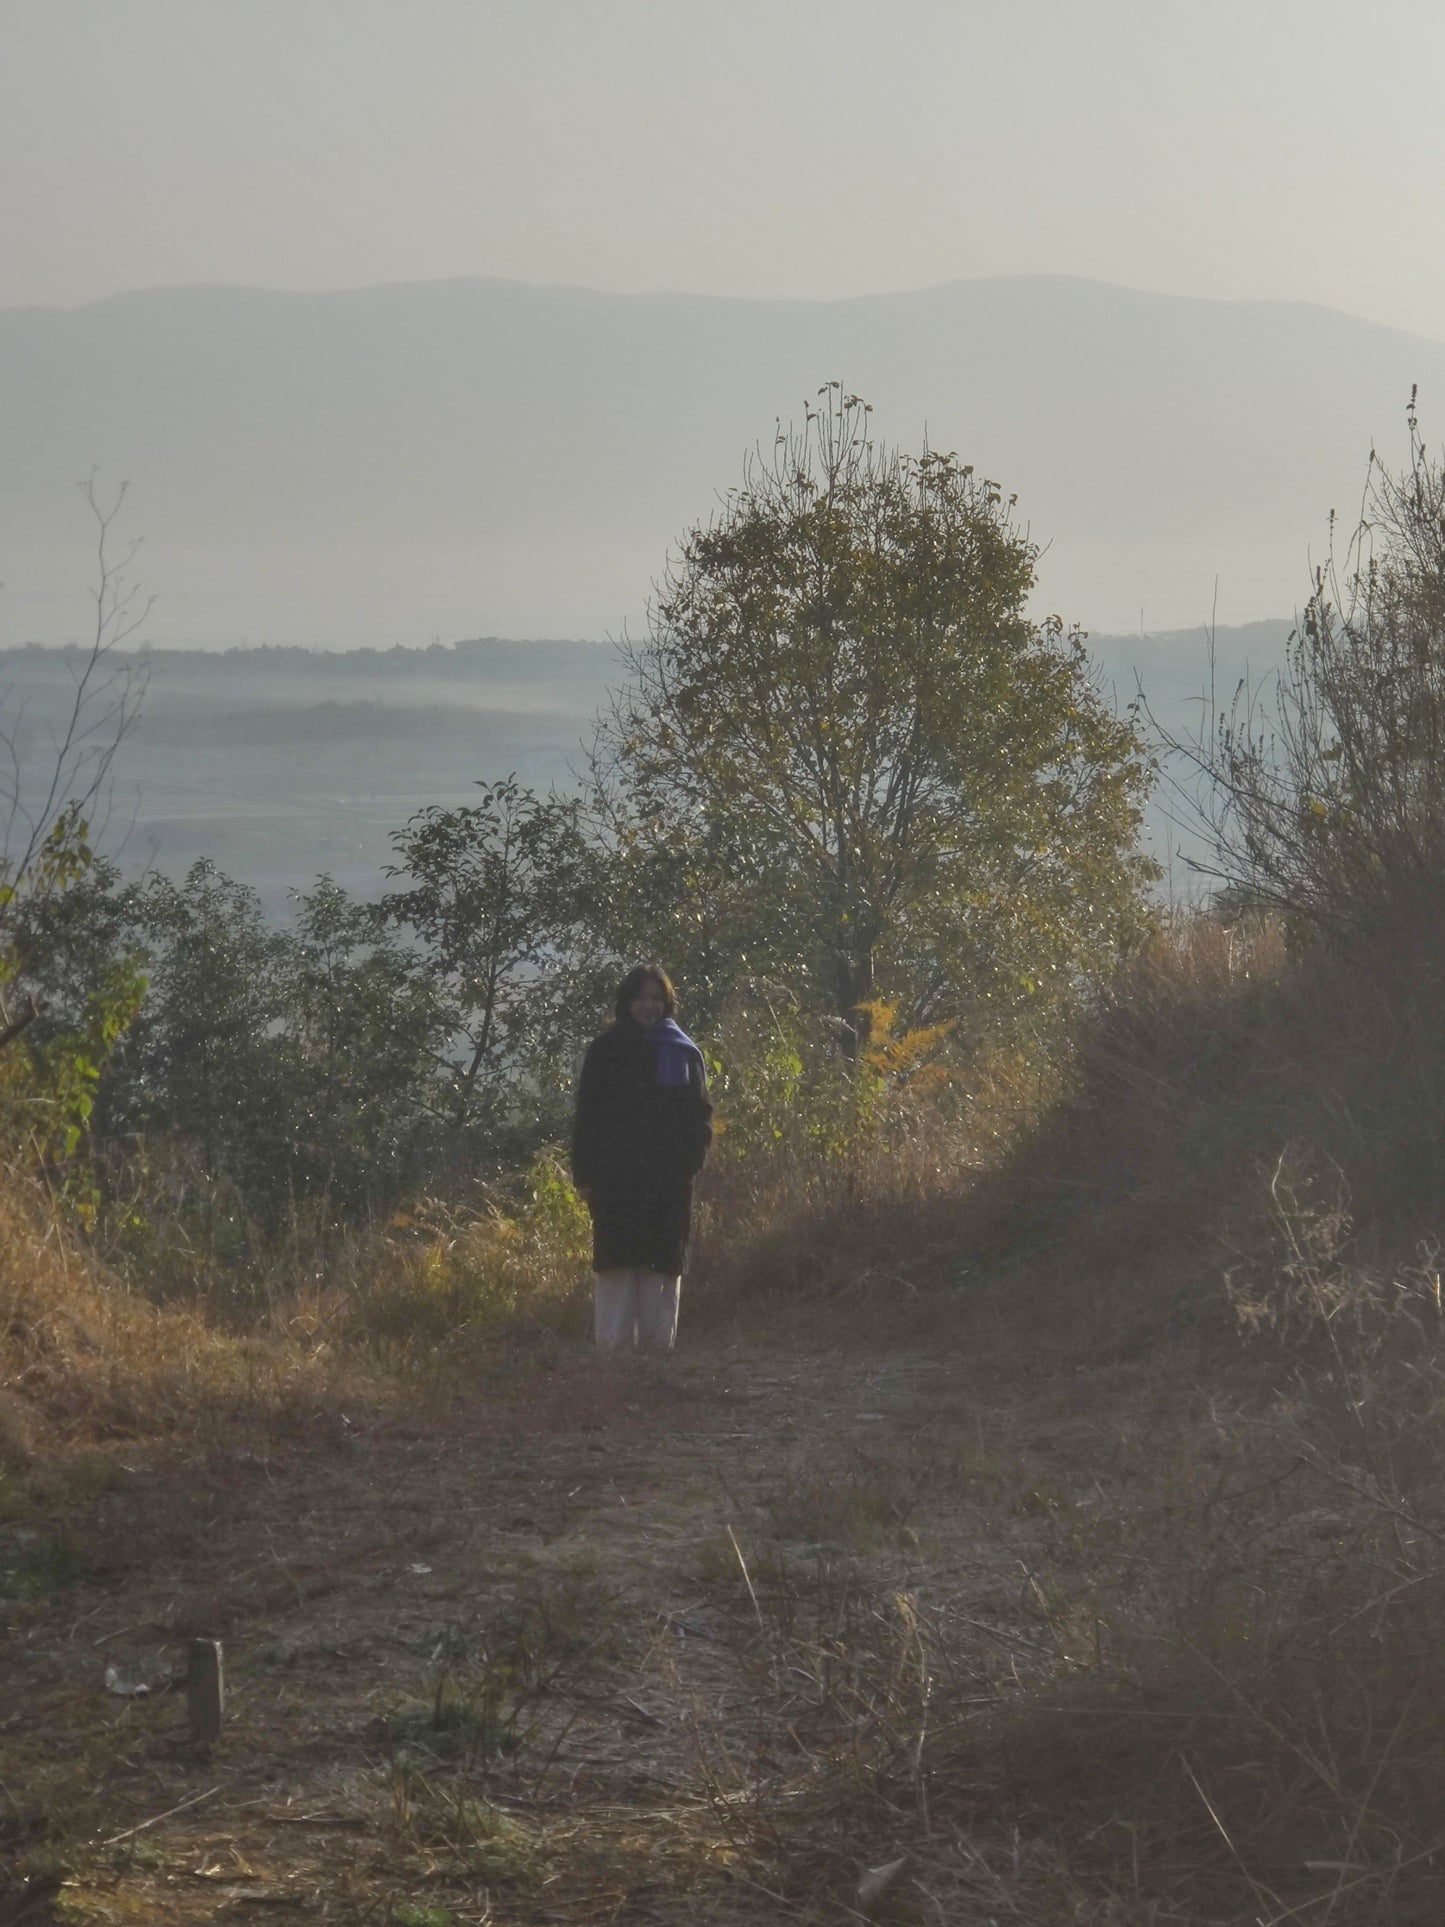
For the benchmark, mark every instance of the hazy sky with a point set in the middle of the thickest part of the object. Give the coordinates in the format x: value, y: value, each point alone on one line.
x: 762, y: 147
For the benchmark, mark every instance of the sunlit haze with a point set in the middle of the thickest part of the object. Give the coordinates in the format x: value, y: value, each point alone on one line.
x: 342, y: 474
x: 809, y: 148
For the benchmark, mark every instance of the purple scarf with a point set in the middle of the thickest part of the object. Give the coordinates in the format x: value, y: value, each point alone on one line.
x: 672, y: 1048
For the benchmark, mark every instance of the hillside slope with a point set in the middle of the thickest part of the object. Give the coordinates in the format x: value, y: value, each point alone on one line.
x: 392, y: 463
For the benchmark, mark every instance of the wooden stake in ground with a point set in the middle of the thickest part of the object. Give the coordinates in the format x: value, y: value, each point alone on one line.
x: 205, y: 1691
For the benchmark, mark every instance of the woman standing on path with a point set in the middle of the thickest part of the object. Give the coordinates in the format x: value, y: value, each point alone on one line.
x: 644, y: 1122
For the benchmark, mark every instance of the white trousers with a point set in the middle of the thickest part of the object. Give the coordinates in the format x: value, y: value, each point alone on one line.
x: 635, y: 1308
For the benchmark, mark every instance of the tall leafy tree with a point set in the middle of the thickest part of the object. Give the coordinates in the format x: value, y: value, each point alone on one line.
x: 71, y: 982
x: 492, y: 893
x: 848, y: 751
x: 210, y: 1059
x: 370, y: 1028
x: 296, y: 1064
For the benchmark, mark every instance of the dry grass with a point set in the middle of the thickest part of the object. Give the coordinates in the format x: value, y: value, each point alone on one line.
x: 1188, y: 1672
x: 888, y: 1224
x: 1229, y: 1706
x: 1074, y: 1535
x: 84, y: 1360
x: 1137, y: 1644
x: 443, y: 1276
x: 91, y: 1358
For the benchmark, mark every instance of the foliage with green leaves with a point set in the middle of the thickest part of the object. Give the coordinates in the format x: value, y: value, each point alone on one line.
x: 495, y: 899
x: 847, y: 747
x: 208, y: 1058
x: 300, y: 1064
x: 372, y: 1031
x: 70, y: 983
x: 858, y: 799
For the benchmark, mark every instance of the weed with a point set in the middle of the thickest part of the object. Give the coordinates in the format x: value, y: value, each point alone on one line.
x: 74, y: 1480
x: 449, y: 1729
x: 447, y: 1273
x: 490, y: 1680
x: 475, y: 1839
x: 144, y: 1854
x: 853, y: 1512
x: 1036, y: 1499
x: 39, y: 1564
x: 55, y: 1801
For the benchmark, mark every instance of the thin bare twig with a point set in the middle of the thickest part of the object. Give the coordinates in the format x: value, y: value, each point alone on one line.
x: 195, y: 1800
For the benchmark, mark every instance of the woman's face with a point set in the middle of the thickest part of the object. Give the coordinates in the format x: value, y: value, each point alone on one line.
x: 649, y: 1005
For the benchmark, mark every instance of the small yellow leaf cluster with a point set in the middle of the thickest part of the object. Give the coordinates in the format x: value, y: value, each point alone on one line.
x: 908, y: 1057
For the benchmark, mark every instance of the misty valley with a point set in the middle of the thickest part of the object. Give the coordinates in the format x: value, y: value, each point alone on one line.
x: 280, y: 765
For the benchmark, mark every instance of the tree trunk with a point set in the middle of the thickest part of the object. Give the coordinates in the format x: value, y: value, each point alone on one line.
x: 853, y: 985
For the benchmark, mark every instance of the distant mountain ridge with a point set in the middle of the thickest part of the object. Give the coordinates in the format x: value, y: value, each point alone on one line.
x: 423, y: 460
x: 480, y: 658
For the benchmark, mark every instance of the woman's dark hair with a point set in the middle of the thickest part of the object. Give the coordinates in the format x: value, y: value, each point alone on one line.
x: 631, y: 987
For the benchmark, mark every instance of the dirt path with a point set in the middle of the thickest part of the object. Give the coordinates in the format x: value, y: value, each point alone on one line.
x: 529, y: 1663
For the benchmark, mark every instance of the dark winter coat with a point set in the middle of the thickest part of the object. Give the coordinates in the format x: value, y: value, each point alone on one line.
x: 644, y: 1123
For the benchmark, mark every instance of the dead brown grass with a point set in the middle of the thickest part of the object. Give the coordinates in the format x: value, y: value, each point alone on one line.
x: 1190, y: 1674
x: 1071, y: 1528
x: 85, y: 1360
x: 446, y: 1297
x: 1229, y: 1707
